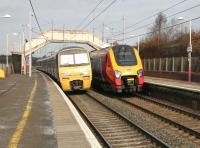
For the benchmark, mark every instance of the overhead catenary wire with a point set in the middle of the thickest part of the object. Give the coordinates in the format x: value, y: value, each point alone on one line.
x: 174, y: 5
x: 93, y: 10
x: 160, y: 29
x: 35, y: 16
x: 144, y: 19
x: 198, y: 5
x: 108, y: 6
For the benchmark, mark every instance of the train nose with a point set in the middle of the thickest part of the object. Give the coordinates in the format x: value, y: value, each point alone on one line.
x: 76, y: 84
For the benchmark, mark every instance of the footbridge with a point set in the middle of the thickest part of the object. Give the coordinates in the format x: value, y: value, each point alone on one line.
x: 64, y: 36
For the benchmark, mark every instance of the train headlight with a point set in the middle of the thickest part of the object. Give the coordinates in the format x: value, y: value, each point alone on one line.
x: 117, y: 74
x: 140, y: 72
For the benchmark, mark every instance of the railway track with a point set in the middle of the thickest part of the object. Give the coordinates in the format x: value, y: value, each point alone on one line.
x: 114, y: 129
x: 187, y: 121
x: 174, y: 107
x: 182, y: 124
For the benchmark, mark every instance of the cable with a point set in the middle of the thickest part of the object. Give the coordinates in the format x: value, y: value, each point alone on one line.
x: 79, y: 25
x: 156, y: 13
x: 35, y: 16
x: 100, y: 13
x: 160, y: 29
x: 166, y: 17
x: 184, y: 10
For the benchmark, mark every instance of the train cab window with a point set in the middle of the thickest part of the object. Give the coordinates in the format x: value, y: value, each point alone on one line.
x: 125, y: 56
x: 74, y: 59
x: 81, y: 58
x: 66, y: 60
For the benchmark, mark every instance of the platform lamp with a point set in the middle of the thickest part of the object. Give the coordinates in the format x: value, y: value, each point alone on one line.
x: 6, y: 16
x: 189, y: 49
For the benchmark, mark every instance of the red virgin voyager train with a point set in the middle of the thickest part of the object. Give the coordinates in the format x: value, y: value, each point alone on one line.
x: 118, y: 67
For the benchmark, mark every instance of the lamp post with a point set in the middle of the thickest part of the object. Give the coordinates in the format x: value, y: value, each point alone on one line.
x: 30, y: 48
x: 180, y: 19
x: 7, y: 49
x: 6, y: 16
x: 189, y: 50
x: 109, y: 28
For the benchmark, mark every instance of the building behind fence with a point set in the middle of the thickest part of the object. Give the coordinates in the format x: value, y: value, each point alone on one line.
x: 171, y: 64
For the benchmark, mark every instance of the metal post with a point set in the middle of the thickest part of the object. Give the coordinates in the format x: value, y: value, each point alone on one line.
x: 30, y: 48
x: 52, y: 30
x: 103, y: 27
x: 149, y: 65
x: 20, y: 41
x: 173, y: 64
x: 189, y: 50
x: 23, y: 54
x: 181, y: 64
x: 7, y: 36
x: 124, y: 29
x: 93, y: 34
x: 166, y: 68
x: 111, y: 36
x: 160, y: 64
x: 24, y: 57
x: 138, y: 44
x: 63, y: 32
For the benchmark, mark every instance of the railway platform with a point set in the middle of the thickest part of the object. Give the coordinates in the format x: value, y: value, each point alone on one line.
x: 34, y: 112
x: 178, y: 84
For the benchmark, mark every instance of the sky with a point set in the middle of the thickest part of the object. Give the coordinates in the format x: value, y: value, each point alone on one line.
x: 72, y: 12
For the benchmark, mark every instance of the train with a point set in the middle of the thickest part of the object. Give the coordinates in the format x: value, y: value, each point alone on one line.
x: 117, y: 68
x: 70, y: 66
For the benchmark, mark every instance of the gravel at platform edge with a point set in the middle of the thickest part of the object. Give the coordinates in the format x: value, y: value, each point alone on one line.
x: 138, y: 118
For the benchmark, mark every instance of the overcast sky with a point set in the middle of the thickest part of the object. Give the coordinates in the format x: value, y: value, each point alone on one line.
x: 71, y: 12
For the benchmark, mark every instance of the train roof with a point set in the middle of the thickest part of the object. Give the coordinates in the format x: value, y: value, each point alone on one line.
x: 72, y: 47
x: 76, y: 49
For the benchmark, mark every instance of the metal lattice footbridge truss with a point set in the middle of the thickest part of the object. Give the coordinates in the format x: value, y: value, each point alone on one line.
x: 64, y: 36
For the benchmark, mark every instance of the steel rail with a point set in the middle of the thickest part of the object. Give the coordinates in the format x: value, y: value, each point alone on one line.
x: 169, y: 106
x: 167, y: 120
x: 99, y: 134
x: 139, y: 128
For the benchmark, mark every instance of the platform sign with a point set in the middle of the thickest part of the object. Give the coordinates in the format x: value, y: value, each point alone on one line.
x: 189, y: 48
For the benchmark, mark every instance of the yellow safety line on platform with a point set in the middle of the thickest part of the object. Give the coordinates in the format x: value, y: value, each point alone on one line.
x: 21, y: 125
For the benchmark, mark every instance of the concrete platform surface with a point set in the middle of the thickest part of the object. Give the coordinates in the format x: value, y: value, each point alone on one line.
x: 33, y: 114
x: 185, y: 85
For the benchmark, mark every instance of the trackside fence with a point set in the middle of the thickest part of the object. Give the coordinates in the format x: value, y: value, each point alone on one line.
x: 171, y: 64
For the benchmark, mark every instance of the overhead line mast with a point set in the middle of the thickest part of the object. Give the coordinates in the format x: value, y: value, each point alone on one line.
x: 35, y: 16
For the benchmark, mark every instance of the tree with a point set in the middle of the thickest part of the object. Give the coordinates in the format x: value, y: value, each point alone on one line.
x: 160, y: 22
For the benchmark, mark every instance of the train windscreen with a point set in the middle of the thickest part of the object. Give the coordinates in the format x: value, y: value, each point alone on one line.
x: 74, y: 59
x: 125, y: 56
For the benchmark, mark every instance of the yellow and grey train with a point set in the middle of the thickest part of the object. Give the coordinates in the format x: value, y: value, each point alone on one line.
x: 70, y: 66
